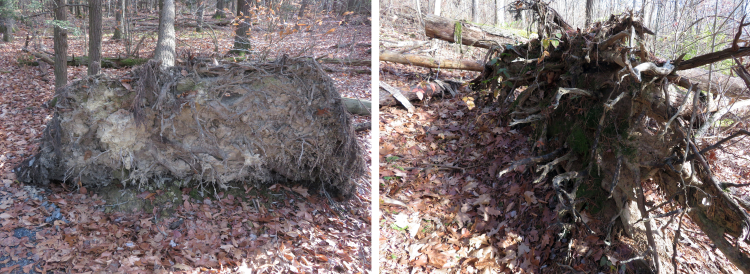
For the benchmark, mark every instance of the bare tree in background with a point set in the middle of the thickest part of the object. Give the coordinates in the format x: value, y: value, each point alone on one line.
x: 201, y: 11
x: 589, y: 12
x: 61, y: 46
x: 165, y: 45
x: 302, y: 8
x: 95, y: 37
x: 499, y: 12
x: 241, y: 42
x: 119, y: 18
x: 219, y: 9
x: 475, y: 10
x: 7, y: 21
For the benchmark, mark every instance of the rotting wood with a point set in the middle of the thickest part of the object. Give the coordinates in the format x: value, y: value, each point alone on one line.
x: 435, y: 88
x: 348, y: 62
x: 357, y: 106
x: 430, y: 62
x: 396, y: 93
x: 107, y: 62
x: 471, y: 35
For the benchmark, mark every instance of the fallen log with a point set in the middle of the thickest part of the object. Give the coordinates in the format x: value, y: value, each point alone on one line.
x: 733, y: 86
x: 362, y: 126
x: 357, y: 106
x: 107, y: 62
x: 429, y: 62
x: 189, y: 23
x: 471, y: 35
x: 344, y: 61
x: 435, y: 88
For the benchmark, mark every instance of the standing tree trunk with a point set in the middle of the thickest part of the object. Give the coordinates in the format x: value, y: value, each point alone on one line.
x: 165, y: 45
x: 95, y: 36
x: 589, y: 12
x: 475, y: 11
x: 6, y: 20
x: 61, y: 47
x: 120, y: 20
x: 301, y: 8
x: 241, y: 43
x: 220, y: 9
x: 499, y: 12
x: 201, y: 10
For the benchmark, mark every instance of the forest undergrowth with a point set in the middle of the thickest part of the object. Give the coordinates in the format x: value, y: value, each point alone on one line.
x: 283, y: 228
x: 444, y: 209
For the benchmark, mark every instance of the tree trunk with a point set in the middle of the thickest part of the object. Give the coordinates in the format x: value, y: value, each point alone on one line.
x: 302, y: 8
x: 79, y: 13
x: 7, y: 28
x: 165, y: 45
x: 61, y: 47
x: 429, y: 62
x: 499, y: 12
x: 589, y: 12
x: 201, y: 10
x: 241, y: 43
x: 471, y: 35
x: 95, y: 36
x: 475, y: 11
x: 6, y: 20
x: 120, y: 25
x: 220, y: 9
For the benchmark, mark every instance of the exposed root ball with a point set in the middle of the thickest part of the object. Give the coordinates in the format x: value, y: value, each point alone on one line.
x: 236, y: 122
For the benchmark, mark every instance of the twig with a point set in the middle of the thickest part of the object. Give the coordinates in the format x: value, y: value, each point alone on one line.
x: 726, y: 185
x: 563, y: 91
x: 718, y: 144
x: 679, y: 110
x: 530, y: 160
x: 641, y: 201
x: 676, y: 240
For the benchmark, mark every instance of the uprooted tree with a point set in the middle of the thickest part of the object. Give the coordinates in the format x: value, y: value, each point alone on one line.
x: 209, y: 127
x: 605, y: 110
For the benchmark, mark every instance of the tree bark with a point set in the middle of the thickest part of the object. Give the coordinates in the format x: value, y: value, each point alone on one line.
x: 350, y: 62
x: 589, y: 11
x: 120, y: 20
x: 475, y: 11
x: 302, y: 8
x: 429, y: 62
x: 165, y: 45
x: 199, y: 22
x: 357, y: 106
x: 61, y: 47
x: 6, y: 21
x: 219, y: 9
x: 241, y: 43
x: 499, y: 12
x: 471, y: 35
x: 95, y: 37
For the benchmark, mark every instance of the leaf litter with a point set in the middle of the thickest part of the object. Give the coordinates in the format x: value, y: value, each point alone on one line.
x: 65, y: 229
x: 438, y: 165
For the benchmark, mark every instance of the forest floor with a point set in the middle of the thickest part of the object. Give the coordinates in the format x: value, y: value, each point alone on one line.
x: 444, y: 210
x: 282, y: 229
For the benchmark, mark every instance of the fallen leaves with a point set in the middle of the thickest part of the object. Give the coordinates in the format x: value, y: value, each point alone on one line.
x: 215, y: 235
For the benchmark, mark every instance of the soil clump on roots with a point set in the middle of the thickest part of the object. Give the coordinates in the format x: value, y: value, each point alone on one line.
x: 202, y: 126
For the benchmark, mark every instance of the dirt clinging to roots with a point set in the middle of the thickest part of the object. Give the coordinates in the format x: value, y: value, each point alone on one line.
x: 279, y: 121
